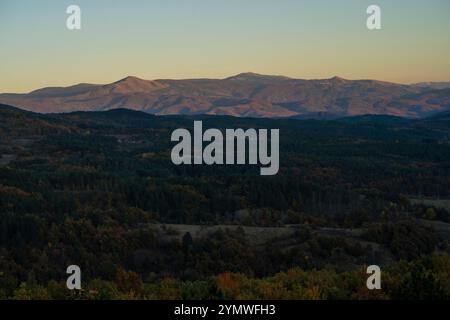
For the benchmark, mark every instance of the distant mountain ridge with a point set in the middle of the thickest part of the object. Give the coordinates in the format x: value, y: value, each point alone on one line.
x: 243, y: 95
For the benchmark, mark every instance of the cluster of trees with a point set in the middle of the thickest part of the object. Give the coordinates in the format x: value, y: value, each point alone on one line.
x: 151, y: 253
x: 424, y: 278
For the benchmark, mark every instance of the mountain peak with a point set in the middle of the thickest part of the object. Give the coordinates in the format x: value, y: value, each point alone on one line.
x: 338, y: 79
x: 132, y: 84
x: 251, y: 76
x: 130, y: 79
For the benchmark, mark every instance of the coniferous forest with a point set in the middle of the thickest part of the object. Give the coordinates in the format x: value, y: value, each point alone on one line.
x: 98, y: 190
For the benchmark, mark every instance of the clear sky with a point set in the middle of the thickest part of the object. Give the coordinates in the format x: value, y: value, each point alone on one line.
x: 210, y: 38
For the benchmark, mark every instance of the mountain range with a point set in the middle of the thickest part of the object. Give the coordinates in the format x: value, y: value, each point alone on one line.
x: 243, y: 95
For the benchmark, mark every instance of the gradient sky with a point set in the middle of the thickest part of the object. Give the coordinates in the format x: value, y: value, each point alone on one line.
x: 209, y: 38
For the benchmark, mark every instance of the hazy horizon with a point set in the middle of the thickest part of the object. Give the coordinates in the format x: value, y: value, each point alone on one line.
x: 218, y: 39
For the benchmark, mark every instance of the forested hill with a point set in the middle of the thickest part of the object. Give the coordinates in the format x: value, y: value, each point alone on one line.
x: 99, y: 189
x: 126, y: 118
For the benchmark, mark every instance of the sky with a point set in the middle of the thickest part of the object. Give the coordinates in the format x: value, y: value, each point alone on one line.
x: 177, y: 39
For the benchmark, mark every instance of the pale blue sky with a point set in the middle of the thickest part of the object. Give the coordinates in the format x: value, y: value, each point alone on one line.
x: 210, y: 38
